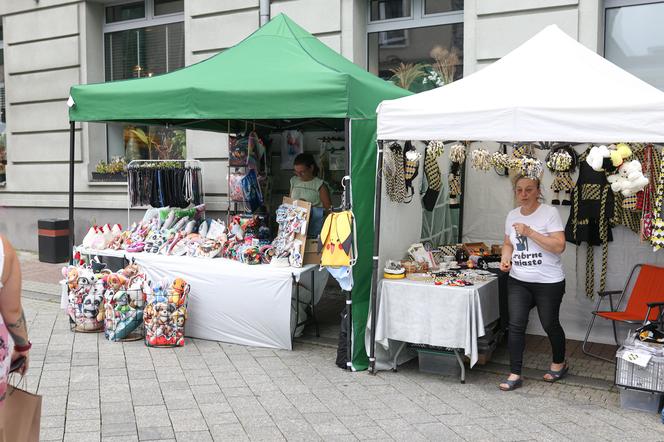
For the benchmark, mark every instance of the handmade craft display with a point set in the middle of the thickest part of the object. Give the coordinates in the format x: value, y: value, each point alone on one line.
x: 480, y: 159
x: 411, y: 167
x: 293, y: 218
x: 434, y: 150
x: 165, y: 313
x: 589, y: 220
x: 562, y: 162
x: 657, y: 229
x: 393, y: 173
x: 457, y: 158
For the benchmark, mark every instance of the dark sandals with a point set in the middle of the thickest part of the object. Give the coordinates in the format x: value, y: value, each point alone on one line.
x: 556, y: 375
x: 512, y: 384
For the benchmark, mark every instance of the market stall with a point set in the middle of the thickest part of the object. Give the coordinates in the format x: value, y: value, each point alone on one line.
x: 261, y: 317
x: 280, y: 77
x: 549, y: 90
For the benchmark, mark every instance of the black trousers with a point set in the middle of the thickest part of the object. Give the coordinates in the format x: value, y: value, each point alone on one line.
x: 522, y: 297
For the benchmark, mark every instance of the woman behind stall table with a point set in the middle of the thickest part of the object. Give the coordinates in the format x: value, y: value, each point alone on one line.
x: 12, y: 318
x: 307, y: 186
x: 534, y: 241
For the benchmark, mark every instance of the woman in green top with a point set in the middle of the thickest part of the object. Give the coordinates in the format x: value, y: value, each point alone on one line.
x: 306, y: 185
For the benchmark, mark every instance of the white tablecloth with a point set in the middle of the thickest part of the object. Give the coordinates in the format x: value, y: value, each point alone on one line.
x: 423, y: 313
x: 229, y: 301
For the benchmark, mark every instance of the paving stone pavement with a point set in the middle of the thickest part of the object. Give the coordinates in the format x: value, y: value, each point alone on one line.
x: 96, y: 390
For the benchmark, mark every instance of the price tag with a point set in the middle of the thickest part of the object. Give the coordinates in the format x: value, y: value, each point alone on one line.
x: 637, y: 357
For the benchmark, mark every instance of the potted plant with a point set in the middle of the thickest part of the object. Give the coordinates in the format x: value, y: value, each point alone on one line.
x: 113, y: 171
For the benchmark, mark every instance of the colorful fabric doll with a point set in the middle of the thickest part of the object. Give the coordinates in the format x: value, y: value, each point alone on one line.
x: 562, y: 163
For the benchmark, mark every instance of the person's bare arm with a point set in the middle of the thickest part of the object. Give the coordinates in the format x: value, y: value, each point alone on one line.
x: 506, y: 257
x: 554, y: 242
x: 324, y: 194
x: 10, y: 302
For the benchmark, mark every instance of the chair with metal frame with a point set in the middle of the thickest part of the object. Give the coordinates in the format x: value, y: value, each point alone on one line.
x: 646, y: 295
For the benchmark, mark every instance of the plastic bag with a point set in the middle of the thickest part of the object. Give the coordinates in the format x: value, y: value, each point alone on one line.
x: 252, y: 191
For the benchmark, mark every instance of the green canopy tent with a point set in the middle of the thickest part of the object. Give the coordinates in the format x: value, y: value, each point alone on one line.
x: 279, y: 77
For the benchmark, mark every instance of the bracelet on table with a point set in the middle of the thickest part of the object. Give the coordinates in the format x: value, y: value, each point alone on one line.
x: 23, y: 348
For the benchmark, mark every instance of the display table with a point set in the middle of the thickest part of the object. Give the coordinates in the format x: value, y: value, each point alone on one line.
x: 424, y: 313
x: 231, y: 301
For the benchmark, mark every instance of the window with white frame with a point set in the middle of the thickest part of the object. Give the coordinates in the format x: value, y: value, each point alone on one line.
x: 634, y: 38
x: 418, y: 44
x: 3, y: 121
x: 142, y: 39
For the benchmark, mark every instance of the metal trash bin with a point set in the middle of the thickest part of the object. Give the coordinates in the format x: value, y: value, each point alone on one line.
x: 53, y: 240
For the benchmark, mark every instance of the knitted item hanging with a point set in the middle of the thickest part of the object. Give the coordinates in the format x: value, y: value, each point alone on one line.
x: 457, y: 157
x: 393, y: 173
x: 432, y: 172
x: 411, y: 166
x: 589, y: 220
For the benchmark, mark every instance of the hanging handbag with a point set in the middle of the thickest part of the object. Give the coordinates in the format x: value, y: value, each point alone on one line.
x: 336, y: 239
x: 253, y: 196
x: 235, y: 186
x: 238, y: 151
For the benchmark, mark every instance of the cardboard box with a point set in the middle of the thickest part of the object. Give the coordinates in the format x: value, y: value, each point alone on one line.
x: 311, y: 255
x: 476, y: 248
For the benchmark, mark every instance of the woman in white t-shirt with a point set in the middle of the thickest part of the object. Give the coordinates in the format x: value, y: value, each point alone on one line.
x: 534, y: 241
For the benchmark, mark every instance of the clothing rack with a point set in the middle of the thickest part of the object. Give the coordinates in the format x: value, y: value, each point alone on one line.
x: 188, y: 164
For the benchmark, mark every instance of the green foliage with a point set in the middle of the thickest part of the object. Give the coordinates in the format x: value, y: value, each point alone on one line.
x: 117, y: 165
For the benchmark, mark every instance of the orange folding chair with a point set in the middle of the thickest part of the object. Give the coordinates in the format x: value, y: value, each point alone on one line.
x: 645, y: 302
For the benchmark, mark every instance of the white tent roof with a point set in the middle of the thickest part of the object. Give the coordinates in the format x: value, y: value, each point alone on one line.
x: 551, y: 88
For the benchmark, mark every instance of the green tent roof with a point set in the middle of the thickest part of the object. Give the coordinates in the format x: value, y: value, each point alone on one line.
x: 279, y: 72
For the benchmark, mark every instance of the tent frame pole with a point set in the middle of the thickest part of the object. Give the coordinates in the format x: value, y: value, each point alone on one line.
x: 72, y: 138
x: 347, y: 206
x: 376, y: 251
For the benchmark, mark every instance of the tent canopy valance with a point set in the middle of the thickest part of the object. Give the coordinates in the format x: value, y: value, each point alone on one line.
x: 279, y: 72
x: 551, y: 88
x: 280, y: 77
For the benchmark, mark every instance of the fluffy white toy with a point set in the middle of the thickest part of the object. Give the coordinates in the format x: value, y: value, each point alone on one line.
x: 596, y: 156
x: 629, y: 180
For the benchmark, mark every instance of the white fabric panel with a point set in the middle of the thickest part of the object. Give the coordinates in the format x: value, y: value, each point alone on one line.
x: 551, y: 88
x: 400, y: 224
x: 488, y: 198
x: 231, y: 301
x: 423, y: 313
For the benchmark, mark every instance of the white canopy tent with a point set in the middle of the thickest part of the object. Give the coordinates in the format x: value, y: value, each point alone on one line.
x: 551, y: 88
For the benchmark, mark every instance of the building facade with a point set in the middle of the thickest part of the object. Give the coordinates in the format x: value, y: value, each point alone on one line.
x: 50, y: 45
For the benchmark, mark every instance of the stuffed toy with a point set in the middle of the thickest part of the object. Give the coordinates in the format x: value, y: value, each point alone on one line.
x: 599, y: 157
x: 620, y: 154
x: 629, y: 180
